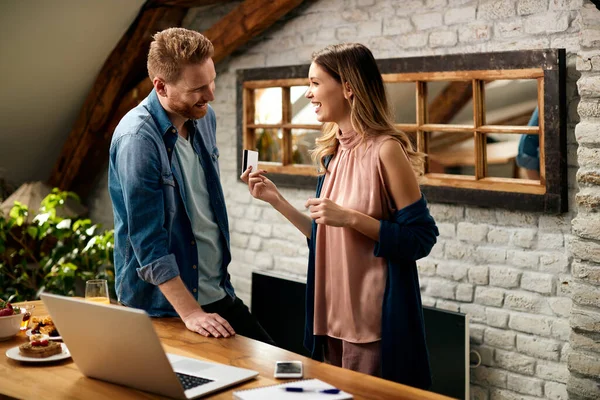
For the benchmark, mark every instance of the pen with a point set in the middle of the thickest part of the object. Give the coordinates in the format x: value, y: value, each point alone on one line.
x: 300, y: 389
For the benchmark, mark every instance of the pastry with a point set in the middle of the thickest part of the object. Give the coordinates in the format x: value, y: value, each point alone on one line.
x: 40, y: 347
x: 44, y: 325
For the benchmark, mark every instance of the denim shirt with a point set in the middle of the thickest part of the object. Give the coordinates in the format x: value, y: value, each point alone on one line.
x: 154, y: 241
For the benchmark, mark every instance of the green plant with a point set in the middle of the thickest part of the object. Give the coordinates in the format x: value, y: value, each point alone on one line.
x: 51, y: 252
x: 266, y: 145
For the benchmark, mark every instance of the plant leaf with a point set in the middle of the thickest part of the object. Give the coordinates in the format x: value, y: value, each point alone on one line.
x: 64, y: 224
x: 32, y: 231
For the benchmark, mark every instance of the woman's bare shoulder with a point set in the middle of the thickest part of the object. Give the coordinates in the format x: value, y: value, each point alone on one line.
x: 392, y: 151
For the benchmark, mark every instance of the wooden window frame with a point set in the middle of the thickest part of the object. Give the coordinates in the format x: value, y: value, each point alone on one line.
x: 548, y: 67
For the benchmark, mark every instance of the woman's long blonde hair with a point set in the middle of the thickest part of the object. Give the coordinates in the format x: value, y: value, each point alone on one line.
x: 353, y: 64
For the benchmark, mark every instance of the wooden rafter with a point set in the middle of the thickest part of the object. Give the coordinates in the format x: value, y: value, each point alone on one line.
x: 443, y: 140
x: 88, y: 146
x: 449, y: 102
x: 124, y: 66
x: 444, y: 107
x: 97, y: 156
x: 182, y: 3
x: 519, y: 119
x: 245, y: 22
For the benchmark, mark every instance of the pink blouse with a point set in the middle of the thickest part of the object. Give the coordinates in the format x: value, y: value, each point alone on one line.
x: 349, y: 280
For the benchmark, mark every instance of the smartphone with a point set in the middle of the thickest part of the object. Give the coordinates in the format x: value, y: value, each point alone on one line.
x: 288, y: 369
x: 250, y: 158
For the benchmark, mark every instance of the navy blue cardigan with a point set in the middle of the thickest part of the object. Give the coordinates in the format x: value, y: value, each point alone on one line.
x: 407, y: 236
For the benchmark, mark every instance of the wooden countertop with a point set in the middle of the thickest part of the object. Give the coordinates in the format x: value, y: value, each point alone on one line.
x: 62, y: 379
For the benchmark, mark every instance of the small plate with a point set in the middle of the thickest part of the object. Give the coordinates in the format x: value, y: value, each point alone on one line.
x: 28, y: 333
x: 15, y: 355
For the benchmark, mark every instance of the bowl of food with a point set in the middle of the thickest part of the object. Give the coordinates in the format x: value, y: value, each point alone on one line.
x: 10, y: 320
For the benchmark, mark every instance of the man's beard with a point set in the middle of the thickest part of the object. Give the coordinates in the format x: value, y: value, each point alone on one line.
x: 186, y: 111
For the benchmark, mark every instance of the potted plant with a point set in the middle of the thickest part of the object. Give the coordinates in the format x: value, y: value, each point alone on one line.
x: 51, y: 253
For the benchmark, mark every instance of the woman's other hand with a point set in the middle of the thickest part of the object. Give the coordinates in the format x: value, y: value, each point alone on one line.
x: 260, y: 187
x: 325, y: 211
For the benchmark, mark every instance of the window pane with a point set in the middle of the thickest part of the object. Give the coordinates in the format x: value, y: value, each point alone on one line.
x: 452, y: 153
x: 510, y: 102
x: 450, y: 102
x: 268, y: 144
x: 302, y: 110
x: 267, y: 108
x: 402, y: 99
x: 503, y: 157
x: 303, y: 140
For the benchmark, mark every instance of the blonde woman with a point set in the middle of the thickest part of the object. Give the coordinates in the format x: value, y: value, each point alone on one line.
x: 367, y: 225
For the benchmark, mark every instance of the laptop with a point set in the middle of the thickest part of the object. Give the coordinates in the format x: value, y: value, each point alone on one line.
x: 119, y: 345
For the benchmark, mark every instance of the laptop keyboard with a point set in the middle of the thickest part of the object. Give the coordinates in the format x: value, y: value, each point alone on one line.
x: 190, y: 382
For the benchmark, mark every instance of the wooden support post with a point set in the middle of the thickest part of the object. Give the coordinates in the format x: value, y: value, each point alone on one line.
x: 286, y: 117
x: 479, y: 120
x: 422, y: 118
x: 542, y: 131
x: 249, y: 136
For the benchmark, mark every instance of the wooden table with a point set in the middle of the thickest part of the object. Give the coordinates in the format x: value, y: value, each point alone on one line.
x: 62, y: 379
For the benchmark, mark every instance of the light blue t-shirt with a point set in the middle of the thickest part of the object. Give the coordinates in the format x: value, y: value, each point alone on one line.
x: 205, y: 229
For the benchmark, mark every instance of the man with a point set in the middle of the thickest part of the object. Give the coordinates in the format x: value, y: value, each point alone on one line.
x: 171, y: 228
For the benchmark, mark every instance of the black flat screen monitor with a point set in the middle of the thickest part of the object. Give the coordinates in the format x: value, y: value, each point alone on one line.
x: 278, y: 304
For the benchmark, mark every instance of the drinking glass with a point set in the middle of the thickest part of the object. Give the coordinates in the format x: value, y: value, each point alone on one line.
x: 96, y: 290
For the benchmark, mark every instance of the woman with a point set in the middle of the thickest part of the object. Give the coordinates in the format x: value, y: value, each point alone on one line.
x: 366, y: 227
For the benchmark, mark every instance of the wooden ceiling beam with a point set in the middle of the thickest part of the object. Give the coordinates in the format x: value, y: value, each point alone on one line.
x: 244, y: 22
x: 519, y: 119
x: 449, y: 102
x: 443, y: 140
x: 444, y: 108
x: 97, y: 157
x: 183, y: 3
x: 125, y: 65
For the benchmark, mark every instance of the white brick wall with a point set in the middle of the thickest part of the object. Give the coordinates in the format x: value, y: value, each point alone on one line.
x: 508, y: 270
x: 499, y: 266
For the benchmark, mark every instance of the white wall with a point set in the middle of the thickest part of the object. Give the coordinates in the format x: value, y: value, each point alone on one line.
x: 50, y: 54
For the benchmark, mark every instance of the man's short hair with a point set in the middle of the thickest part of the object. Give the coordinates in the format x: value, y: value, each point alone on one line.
x: 174, y: 48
